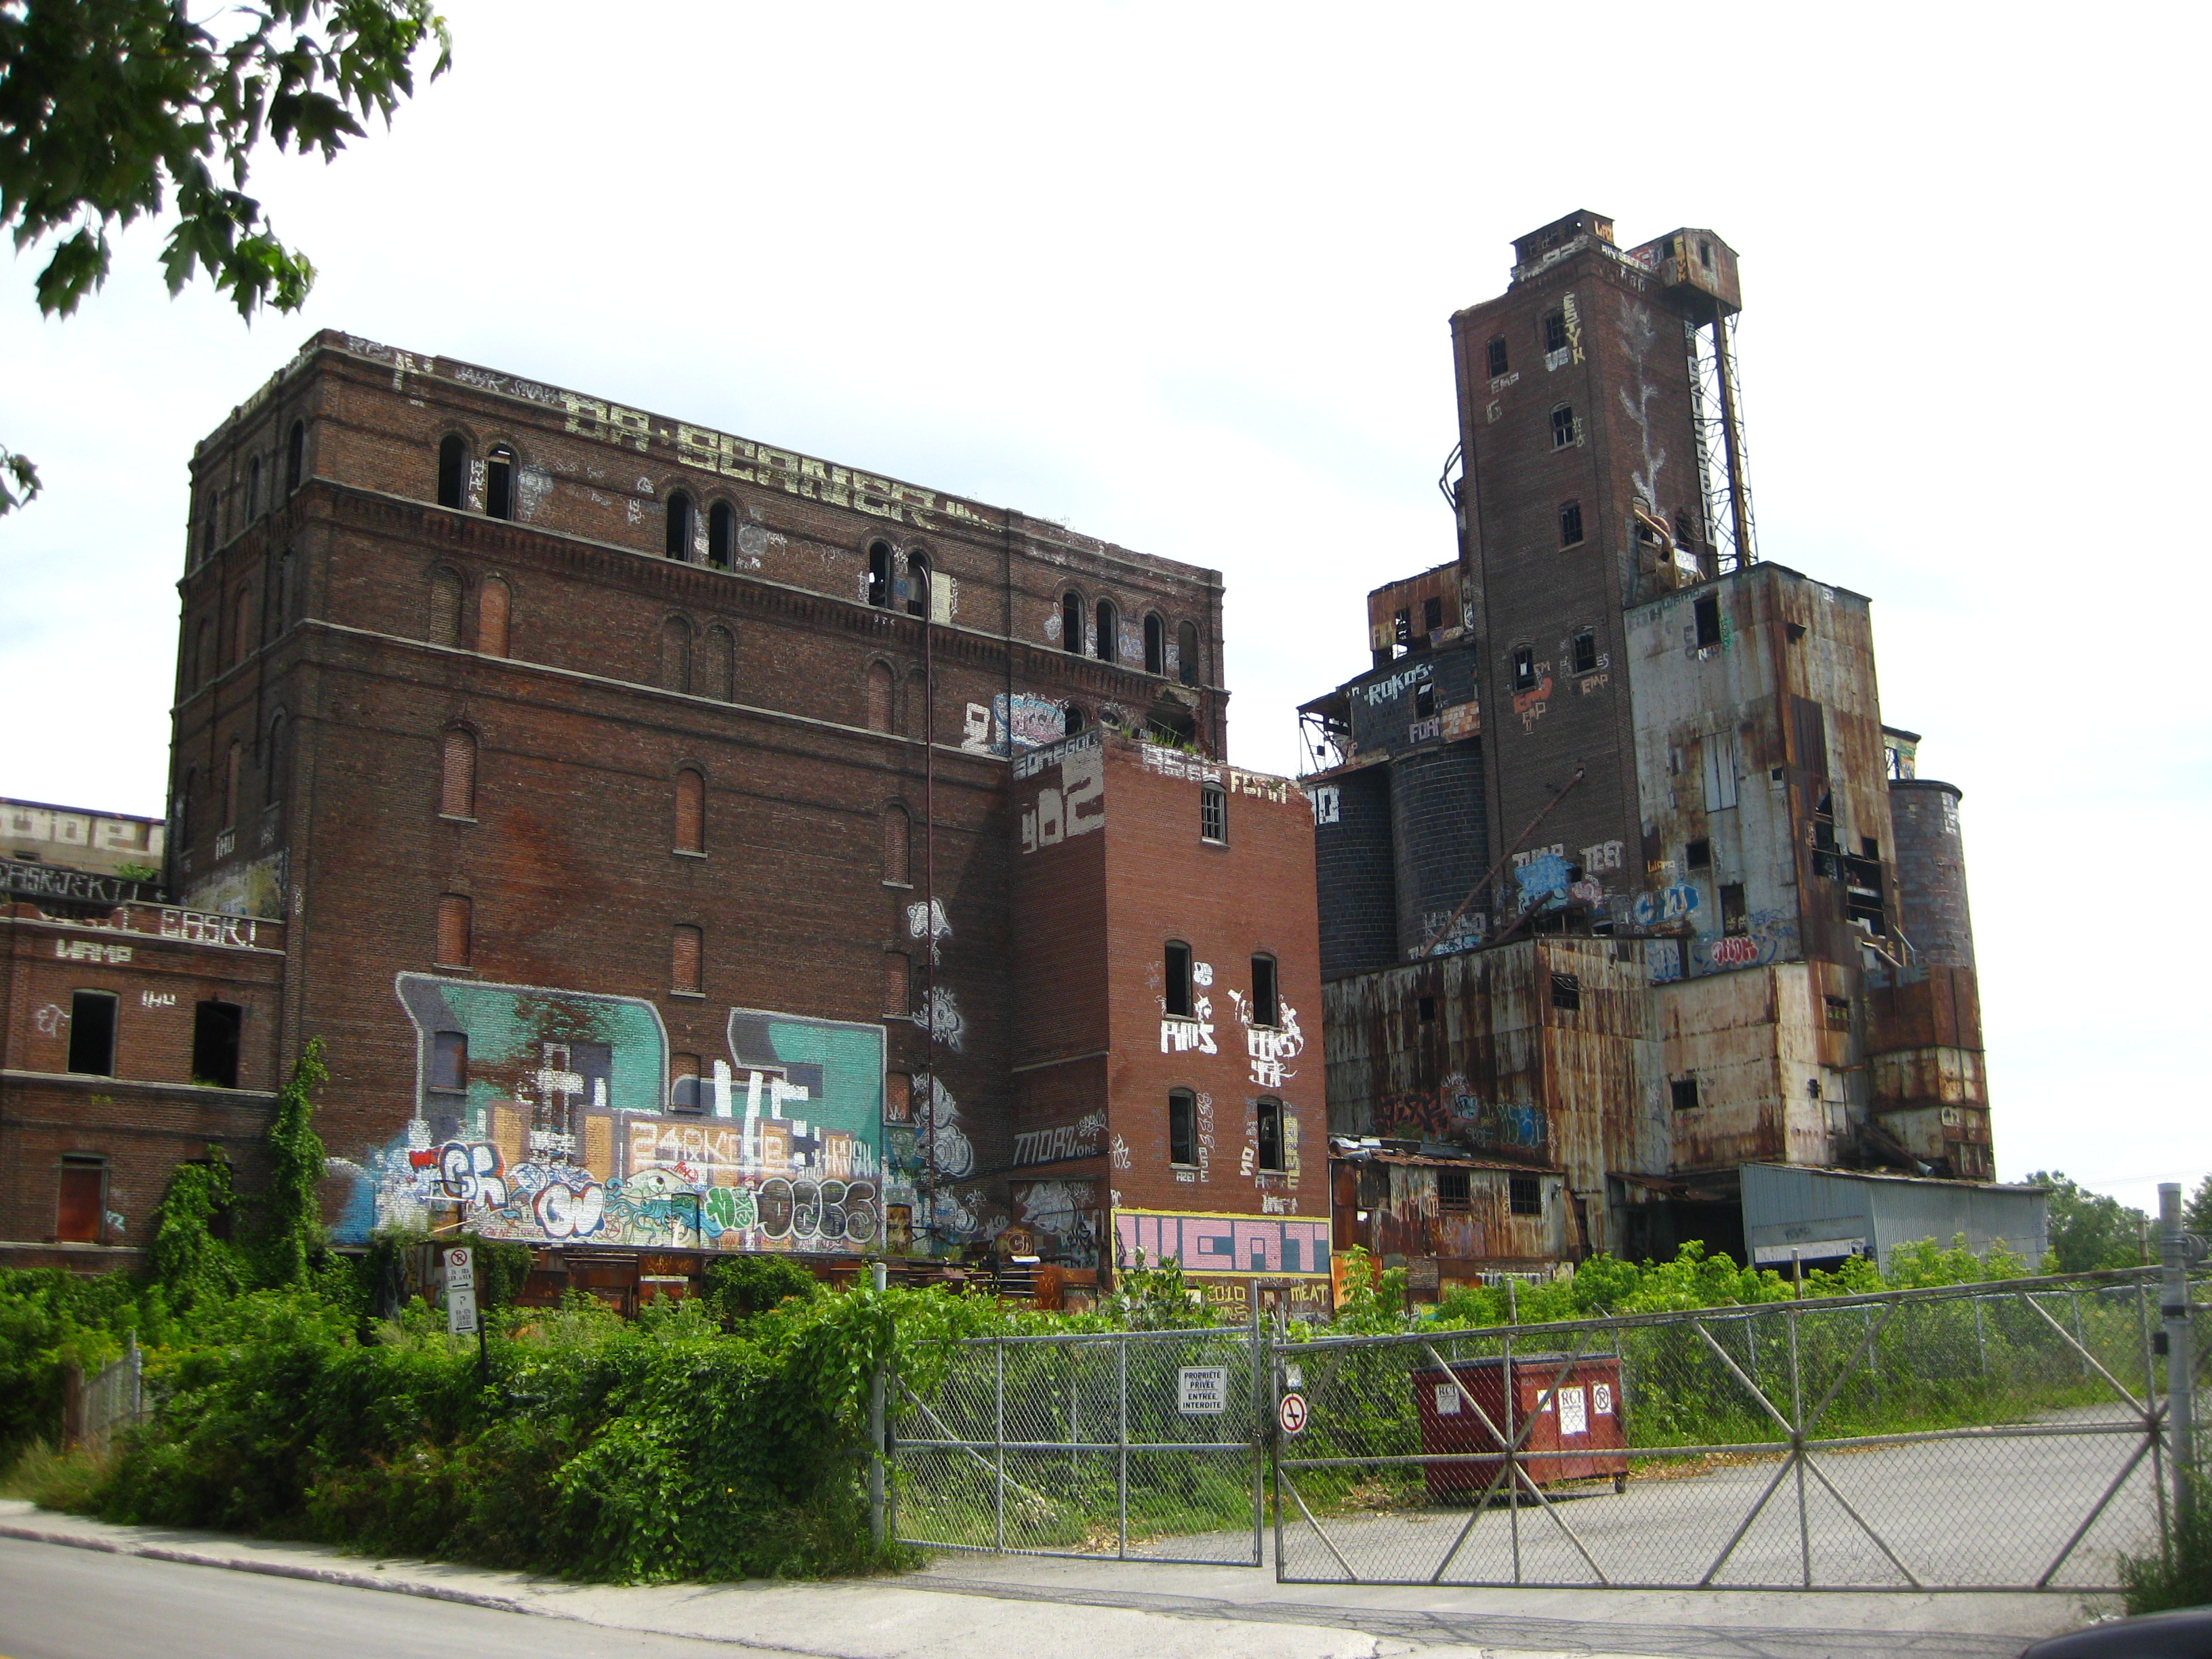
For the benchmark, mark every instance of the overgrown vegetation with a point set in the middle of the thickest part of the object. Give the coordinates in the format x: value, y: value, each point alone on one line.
x: 2179, y: 1575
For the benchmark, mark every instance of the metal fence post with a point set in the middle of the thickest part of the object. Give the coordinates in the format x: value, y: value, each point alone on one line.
x: 2081, y: 1335
x: 1981, y: 1340
x: 1797, y: 1443
x: 2180, y: 1355
x: 1512, y: 1391
x: 879, y: 1278
x: 1262, y: 1403
x: 999, y: 1445
x: 1121, y: 1447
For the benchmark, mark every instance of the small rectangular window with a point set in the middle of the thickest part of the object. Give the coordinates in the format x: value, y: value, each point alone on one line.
x: 216, y: 1028
x: 1586, y: 651
x: 1699, y: 855
x: 1267, y: 1006
x: 449, y: 1060
x: 453, y: 931
x: 1432, y: 615
x: 1497, y: 357
x: 1567, y: 991
x: 1524, y: 668
x: 686, y: 967
x: 1684, y: 1091
x: 1453, y: 1192
x: 1734, y: 919
x: 1402, y: 626
x: 1270, y: 1132
x: 1175, y: 992
x: 1425, y: 701
x: 92, y: 1033
x: 1708, y: 611
x: 1869, y: 847
x: 1555, y: 330
x: 1563, y: 426
x: 1839, y: 1012
x: 1570, y: 524
x: 1427, y: 1010
x: 1182, y: 1126
x: 1212, y: 813
x: 1524, y: 1194
x: 81, y: 1215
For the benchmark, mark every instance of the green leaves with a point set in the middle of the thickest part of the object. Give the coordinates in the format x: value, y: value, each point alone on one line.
x: 291, y: 1210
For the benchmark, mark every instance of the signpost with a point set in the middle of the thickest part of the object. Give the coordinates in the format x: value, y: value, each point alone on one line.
x: 461, y: 1316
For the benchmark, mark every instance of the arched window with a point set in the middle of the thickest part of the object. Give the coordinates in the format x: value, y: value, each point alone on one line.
x: 879, y: 573
x: 457, y: 774
x: 690, y: 811
x: 917, y: 584
x: 254, y: 489
x: 1108, y: 645
x: 721, y: 535
x: 686, y: 962
x: 679, y: 526
x: 720, y: 667
x: 879, y: 697
x: 1176, y: 977
x: 453, y: 471
x: 454, y: 927
x: 1071, y: 624
x: 234, y: 770
x: 1071, y: 719
x: 1156, y: 645
x: 1187, y: 653
x: 295, y: 457
x: 494, y: 603
x: 675, y: 665
x: 241, y: 631
x: 499, y: 483
x: 898, y: 852
x: 445, y: 622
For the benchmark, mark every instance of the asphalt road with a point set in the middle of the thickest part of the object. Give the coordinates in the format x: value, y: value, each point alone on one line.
x: 58, y: 1603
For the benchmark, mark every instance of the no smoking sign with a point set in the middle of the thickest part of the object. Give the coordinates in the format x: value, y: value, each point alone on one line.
x: 1291, y: 1413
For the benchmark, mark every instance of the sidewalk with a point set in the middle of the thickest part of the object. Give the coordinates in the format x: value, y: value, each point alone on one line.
x: 1028, y: 1607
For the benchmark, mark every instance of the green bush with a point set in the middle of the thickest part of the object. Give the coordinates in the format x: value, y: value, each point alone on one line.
x: 743, y: 1285
x: 2180, y: 1574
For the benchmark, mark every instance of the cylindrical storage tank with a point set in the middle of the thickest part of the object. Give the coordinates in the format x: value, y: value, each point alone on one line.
x: 1931, y: 871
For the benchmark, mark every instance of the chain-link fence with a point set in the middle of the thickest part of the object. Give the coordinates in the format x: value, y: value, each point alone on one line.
x: 1995, y: 1436
x: 111, y: 1399
x: 1134, y: 1444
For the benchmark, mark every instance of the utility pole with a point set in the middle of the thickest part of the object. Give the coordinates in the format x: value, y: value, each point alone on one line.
x: 2177, y: 1249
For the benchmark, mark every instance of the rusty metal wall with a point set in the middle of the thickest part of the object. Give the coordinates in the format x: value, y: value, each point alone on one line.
x: 1407, y: 1218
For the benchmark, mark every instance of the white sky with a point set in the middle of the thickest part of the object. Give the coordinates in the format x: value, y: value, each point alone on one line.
x: 1180, y: 275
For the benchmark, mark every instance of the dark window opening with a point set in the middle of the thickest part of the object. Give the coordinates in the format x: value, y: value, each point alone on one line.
x: 1699, y: 855
x: 1683, y: 1092
x: 1155, y: 646
x: 453, y: 471
x: 1735, y: 920
x: 1570, y: 524
x: 1567, y: 992
x: 216, y: 1028
x: 1685, y: 532
x: 1454, y: 1190
x: 1182, y: 1126
x: 1425, y: 701
x: 81, y: 1216
x: 1071, y: 624
x: 92, y: 1033
x: 1524, y: 1195
x: 879, y: 574
x: 1187, y: 653
x: 1869, y: 847
x: 499, y: 483
x: 1524, y: 668
x: 721, y: 534
x: 1270, y: 1127
x: 253, y: 490
x: 1586, y: 651
x: 449, y: 1060
x: 1794, y: 631
x: 1071, y: 719
x: 214, y: 522
x: 1432, y: 614
x: 1176, y: 991
x: 1267, y: 1005
x: 917, y: 584
x: 1497, y: 357
x: 1401, y: 627
x: 678, y: 542
x: 295, y: 456
x: 1555, y: 330
x: 1213, y: 813
x: 1840, y: 1012
x: 1427, y: 1010
x: 1108, y: 643
x: 1563, y: 426
x: 1707, y: 611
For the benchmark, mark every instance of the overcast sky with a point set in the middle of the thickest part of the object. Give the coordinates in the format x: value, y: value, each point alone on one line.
x: 1180, y: 275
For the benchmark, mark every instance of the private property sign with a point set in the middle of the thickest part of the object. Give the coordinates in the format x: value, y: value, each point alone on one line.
x: 1202, y: 1390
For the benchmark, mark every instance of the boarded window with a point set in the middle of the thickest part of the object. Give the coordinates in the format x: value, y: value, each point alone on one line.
x: 494, y: 604
x: 457, y: 778
x: 449, y: 1060
x: 675, y: 664
x: 718, y: 671
x: 678, y: 541
x: 1155, y: 646
x: 1108, y: 644
x: 898, y: 851
x: 1176, y: 991
x: 898, y: 1097
x: 1267, y: 1005
x: 1213, y: 813
x: 1182, y: 1126
x: 1186, y: 664
x: 215, y: 1029
x: 445, y: 621
x: 898, y: 985
x: 1524, y: 1194
x: 499, y: 483
x: 685, y: 967
x: 690, y: 811
x: 453, y: 930
x: 92, y: 1033
x: 721, y: 535
x: 453, y: 471
x: 1453, y: 1190
x: 1719, y: 764
x: 1567, y: 992
x: 879, y: 697
x: 1268, y: 1129
x: 1808, y: 731
x: 1071, y: 624
x: 79, y: 1217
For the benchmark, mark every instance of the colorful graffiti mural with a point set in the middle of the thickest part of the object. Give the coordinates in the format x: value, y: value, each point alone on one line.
x: 1276, y: 1246
x: 550, y: 1116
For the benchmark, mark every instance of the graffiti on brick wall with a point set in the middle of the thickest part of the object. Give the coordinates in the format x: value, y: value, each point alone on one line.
x: 1270, y: 1048
x: 1061, y: 792
x: 1014, y: 723
x: 546, y: 1115
x: 1213, y: 1243
x: 1065, y: 1213
x: 1085, y: 1138
x: 1769, y: 935
x: 253, y: 889
x: 1542, y: 876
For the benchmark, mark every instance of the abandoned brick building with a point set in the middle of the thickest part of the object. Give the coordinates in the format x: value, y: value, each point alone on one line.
x: 683, y: 845
x: 1624, y: 884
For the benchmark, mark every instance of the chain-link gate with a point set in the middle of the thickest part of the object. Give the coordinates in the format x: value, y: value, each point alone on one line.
x: 1995, y: 1436
x: 1130, y: 1445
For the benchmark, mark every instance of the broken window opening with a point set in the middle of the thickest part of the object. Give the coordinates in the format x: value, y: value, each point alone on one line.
x: 1182, y: 1127
x: 1267, y: 1005
x: 1524, y: 668
x: 1454, y: 1190
x: 1564, y: 431
x: 254, y: 489
x: 1567, y: 992
x: 678, y: 540
x: 1838, y: 1011
x: 499, y: 483
x: 1869, y: 847
x: 721, y: 535
x: 1270, y: 1132
x: 1071, y: 718
x: 449, y: 1060
x: 1071, y: 624
x: 917, y: 583
x: 1426, y: 1009
x: 1213, y: 813
x: 1498, y: 357
x: 216, y: 1028
x: 1735, y: 920
x: 1187, y: 653
x: 1524, y: 1195
x: 1699, y: 855
x: 1425, y: 701
x: 92, y: 1032
x: 452, y: 471
x: 1156, y: 645
x: 1707, y: 612
x: 1683, y: 1092
x: 1175, y: 992
x: 1586, y: 651
x: 1432, y: 614
x: 879, y: 575
x: 1570, y: 524
x: 1555, y: 332
x: 1107, y: 642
